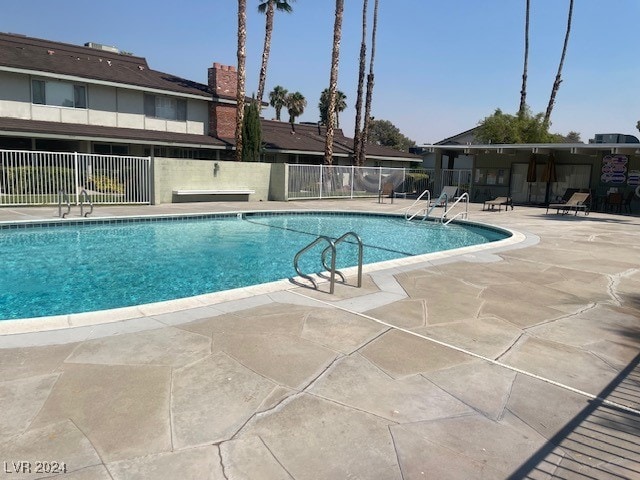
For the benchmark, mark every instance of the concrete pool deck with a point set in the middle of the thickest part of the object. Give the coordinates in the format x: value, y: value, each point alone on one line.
x: 520, y: 362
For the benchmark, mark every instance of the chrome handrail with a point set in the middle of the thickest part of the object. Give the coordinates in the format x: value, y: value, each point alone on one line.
x: 406, y: 213
x: 465, y: 214
x: 332, y: 270
x: 63, y: 196
x: 360, y: 255
x: 83, y: 193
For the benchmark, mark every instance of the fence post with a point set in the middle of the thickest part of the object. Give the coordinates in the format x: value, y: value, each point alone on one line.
x: 353, y: 177
x: 77, y: 177
x: 321, y: 180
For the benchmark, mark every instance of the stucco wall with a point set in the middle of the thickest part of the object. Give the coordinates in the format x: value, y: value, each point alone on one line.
x: 184, y: 174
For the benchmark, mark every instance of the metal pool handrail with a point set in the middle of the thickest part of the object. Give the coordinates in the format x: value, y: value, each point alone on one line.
x: 84, y: 194
x: 332, y: 269
x: 428, y: 201
x: 465, y: 214
x: 360, y: 254
x: 63, y: 196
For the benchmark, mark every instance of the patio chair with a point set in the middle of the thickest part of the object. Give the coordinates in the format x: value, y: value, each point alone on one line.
x: 447, y: 195
x: 388, y: 191
x: 498, y: 201
x: 578, y: 201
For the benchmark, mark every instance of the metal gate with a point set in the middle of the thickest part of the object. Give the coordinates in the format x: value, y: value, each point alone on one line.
x: 36, y: 178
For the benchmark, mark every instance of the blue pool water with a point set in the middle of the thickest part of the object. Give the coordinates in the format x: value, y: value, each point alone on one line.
x: 86, y: 267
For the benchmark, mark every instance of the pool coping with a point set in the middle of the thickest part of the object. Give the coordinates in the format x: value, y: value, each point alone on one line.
x: 384, y: 272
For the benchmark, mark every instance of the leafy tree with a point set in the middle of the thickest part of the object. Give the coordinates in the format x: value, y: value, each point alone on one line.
x: 571, y: 137
x: 296, y: 104
x: 383, y: 132
x: 638, y: 125
x: 556, y: 83
x: 269, y: 7
x: 278, y: 99
x: 251, y: 133
x: 333, y: 81
x: 242, y: 56
x: 323, y: 105
x: 505, y: 128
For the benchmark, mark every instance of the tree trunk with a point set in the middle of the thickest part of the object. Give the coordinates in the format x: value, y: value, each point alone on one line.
x: 558, y: 80
x: 367, y: 108
x: 265, y: 51
x: 523, y: 91
x: 242, y: 40
x: 357, y: 136
x: 333, y: 82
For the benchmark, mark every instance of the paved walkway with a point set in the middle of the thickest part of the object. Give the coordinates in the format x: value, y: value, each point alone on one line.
x: 511, y: 363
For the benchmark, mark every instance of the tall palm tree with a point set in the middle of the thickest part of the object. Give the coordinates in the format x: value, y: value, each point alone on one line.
x: 523, y: 91
x: 333, y: 82
x: 278, y: 99
x: 295, y: 106
x: 242, y: 55
x: 357, y: 136
x: 323, y: 105
x: 556, y: 83
x: 367, y: 107
x: 269, y: 7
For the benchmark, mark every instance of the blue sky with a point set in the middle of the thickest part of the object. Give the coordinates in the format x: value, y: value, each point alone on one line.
x: 440, y: 66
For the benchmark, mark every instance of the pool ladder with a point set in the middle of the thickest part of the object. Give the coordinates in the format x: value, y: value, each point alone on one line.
x: 331, y: 269
x: 63, y: 197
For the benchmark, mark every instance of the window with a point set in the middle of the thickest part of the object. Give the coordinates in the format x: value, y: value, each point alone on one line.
x: 110, y: 149
x: 61, y: 94
x: 166, y: 108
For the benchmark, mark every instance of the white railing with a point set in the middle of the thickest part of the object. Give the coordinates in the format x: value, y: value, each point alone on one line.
x: 424, y: 208
x: 37, y: 178
x: 335, y: 181
x: 464, y: 214
x: 460, y: 178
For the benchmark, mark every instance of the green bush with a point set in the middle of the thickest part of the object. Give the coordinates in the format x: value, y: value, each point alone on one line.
x: 36, y: 180
x: 105, y: 184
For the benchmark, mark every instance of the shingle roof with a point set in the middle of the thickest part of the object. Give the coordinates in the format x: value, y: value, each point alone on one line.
x: 39, y: 55
x: 311, y: 138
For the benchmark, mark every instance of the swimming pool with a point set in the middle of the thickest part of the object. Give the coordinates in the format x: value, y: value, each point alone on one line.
x: 80, y: 266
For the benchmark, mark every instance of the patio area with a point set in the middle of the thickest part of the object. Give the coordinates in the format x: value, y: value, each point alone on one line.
x: 511, y: 362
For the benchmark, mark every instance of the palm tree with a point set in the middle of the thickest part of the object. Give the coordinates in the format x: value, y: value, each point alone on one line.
x: 278, y: 99
x: 556, y: 83
x: 333, y: 82
x: 523, y: 91
x: 295, y: 105
x: 367, y: 107
x: 269, y: 6
x: 242, y: 55
x: 323, y: 105
x: 357, y: 136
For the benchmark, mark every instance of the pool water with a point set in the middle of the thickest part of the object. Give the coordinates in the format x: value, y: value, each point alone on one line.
x: 86, y: 267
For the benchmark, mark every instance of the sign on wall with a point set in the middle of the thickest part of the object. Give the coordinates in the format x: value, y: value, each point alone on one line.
x: 614, y: 169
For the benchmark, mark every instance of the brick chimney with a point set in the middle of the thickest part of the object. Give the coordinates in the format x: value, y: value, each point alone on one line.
x: 223, y: 82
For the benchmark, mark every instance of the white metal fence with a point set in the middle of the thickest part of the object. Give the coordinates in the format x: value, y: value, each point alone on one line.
x: 460, y: 178
x: 36, y: 178
x: 332, y: 181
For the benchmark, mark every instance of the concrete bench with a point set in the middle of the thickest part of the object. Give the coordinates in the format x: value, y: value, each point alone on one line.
x: 214, y: 192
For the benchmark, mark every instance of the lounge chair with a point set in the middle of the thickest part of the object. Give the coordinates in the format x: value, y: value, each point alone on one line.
x: 387, y: 190
x: 447, y: 195
x: 498, y: 201
x: 578, y: 201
